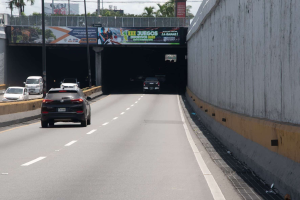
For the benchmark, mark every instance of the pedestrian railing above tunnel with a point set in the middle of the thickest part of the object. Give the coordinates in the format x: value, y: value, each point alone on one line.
x: 79, y: 21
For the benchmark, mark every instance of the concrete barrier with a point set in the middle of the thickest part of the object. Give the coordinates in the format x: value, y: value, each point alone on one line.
x: 250, y: 140
x: 2, y: 87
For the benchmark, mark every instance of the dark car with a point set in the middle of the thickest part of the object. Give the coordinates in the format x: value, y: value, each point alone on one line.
x: 151, y: 84
x: 65, y: 105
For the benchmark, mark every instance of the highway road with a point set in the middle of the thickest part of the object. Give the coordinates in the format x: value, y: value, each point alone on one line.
x: 138, y: 146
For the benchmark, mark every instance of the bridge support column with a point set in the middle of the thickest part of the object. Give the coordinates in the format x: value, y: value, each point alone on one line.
x: 98, y: 65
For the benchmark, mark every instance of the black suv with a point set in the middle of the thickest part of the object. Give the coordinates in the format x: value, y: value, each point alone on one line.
x: 65, y: 105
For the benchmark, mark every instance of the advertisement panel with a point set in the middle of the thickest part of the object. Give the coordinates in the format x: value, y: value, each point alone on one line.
x: 138, y: 36
x: 181, y: 9
x: 61, y: 8
x: 53, y: 35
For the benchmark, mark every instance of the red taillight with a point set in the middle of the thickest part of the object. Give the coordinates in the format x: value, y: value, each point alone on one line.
x: 62, y: 90
x: 144, y: 83
x: 47, y: 101
x: 80, y: 111
x: 77, y: 100
x: 45, y: 112
x: 158, y: 83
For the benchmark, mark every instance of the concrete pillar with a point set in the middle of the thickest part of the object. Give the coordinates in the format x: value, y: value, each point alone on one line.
x: 98, y: 65
x: 2, y: 55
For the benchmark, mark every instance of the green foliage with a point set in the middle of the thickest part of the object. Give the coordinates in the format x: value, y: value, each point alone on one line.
x: 20, y: 4
x: 49, y: 33
x: 166, y: 9
x: 149, y: 12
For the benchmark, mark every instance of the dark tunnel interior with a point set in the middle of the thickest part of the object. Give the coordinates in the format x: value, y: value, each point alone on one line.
x: 123, y: 68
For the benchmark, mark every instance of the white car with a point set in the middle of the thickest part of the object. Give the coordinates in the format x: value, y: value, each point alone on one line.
x: 34, y: 84
x: 16, y: 94
x: 70, y: 83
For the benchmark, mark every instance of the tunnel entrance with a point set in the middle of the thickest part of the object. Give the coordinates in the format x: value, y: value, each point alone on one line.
x: 124, y: 69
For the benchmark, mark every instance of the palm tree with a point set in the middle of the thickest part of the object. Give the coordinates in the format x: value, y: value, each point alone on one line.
x: 188, y: 12
x: 167, y: 9
x: 20, y: 4
x: 149, y: 12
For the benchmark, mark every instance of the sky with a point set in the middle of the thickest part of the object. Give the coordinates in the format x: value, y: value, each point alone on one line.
x: 132, y: 8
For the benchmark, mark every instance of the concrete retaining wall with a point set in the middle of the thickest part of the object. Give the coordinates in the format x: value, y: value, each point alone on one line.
x: 245, y: 57
x: 243, y: 65
x: 249, y: 139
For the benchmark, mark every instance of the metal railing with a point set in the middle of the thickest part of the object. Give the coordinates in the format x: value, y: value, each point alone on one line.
x: 78, y: 21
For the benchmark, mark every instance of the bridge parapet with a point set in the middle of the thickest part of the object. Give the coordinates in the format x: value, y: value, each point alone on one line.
x: 78, y: 21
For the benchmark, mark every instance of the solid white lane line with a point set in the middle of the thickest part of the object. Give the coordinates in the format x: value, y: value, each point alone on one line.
x: 105, y: 123
x: 211, y: 182
x: 122, y: 113
x: 70, y: 143
x: 127, y: 108
x: 92, y: 131
x: 33, y: 161
x: 115, y: 118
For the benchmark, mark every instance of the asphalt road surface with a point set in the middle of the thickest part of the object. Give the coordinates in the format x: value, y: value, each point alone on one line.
x: 137, y: 147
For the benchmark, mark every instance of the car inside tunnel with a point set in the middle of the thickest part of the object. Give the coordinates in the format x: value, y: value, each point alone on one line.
x: 125, y: 69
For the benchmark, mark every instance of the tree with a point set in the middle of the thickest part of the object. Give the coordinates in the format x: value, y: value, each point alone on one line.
x: 188, y: 12
x: 149, y: 12
x: 20, y: 4
x: 166, y: 10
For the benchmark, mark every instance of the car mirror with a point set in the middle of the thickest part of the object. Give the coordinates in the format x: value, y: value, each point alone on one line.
x: 61, y: 82
x: 24, y: 83
x: 88, y: 98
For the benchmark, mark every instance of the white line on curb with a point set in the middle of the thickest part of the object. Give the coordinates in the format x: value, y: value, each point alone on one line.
x: 92, y: 131
x: 105, y: 123
x: 33, y: 161
x: 70, y: 143
x: 115, y: 118
x: 122, y: 113
x: 211, y: 182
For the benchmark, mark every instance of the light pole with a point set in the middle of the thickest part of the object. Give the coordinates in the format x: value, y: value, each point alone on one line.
x: 44, y: 50
x: 87, y: 47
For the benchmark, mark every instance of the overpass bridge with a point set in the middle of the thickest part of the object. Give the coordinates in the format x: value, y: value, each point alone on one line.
x: 242, y: 69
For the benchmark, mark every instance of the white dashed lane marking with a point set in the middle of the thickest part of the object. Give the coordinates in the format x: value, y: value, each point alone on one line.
x: 127, y: 108
x: 115, y: 118
x: 105, y: 123
x: 122, y: 113
x: 33, y: 161
x: 92, y: 131
x: 70, y: 143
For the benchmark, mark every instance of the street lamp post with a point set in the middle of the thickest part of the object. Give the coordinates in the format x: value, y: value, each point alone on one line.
x: 87, y: 48
x: 44, y: 50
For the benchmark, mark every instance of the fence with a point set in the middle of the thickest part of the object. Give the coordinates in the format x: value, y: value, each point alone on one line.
x: 105, y: 21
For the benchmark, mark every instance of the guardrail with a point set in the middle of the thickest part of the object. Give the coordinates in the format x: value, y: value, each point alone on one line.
x: 79, y: 21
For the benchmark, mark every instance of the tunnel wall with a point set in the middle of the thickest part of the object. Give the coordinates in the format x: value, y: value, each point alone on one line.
x: 243, y: 60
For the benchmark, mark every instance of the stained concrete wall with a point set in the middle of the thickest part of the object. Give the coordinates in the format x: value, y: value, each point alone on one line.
x: 244, y: 57
x: 2, y: 55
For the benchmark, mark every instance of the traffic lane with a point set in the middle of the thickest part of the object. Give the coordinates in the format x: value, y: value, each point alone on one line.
x: 133, y: 157
x: 26, y: 142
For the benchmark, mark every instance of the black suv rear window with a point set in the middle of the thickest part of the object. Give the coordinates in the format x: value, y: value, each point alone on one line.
x: 62, y: 95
